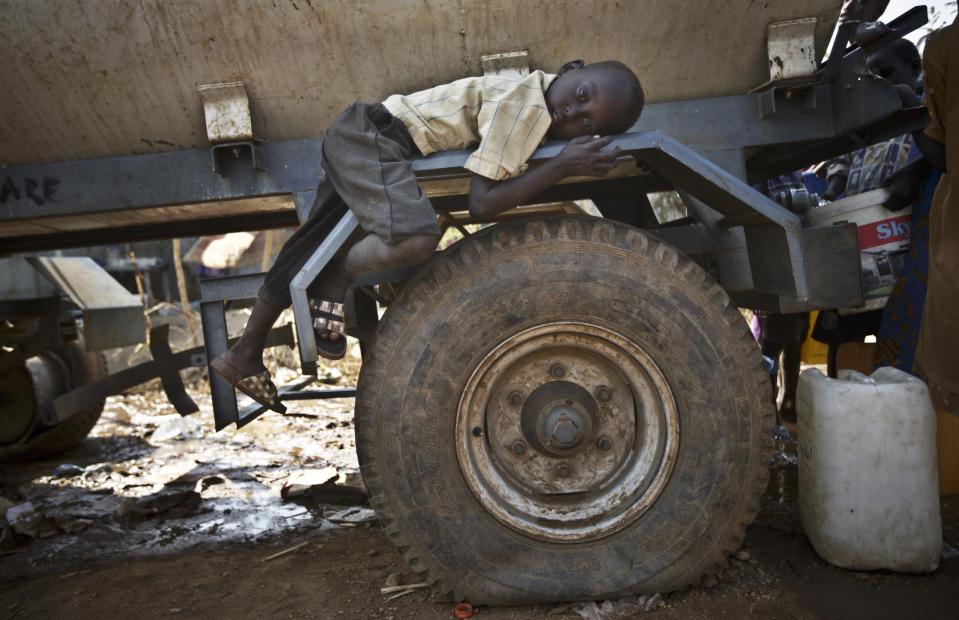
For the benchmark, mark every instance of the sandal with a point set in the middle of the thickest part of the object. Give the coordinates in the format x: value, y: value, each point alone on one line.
x: 328, y: 319
x: 259, y: 387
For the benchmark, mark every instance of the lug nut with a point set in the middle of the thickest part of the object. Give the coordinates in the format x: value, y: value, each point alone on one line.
x: 604, y: 393
x: 605, y: 443
x: 519, y: 447
x: 557, y: 371
x: 563, y: 471
x: 515, y: 398
x: 565, y: 433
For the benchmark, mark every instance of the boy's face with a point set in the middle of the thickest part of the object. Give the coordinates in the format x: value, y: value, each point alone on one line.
x: 588, y: 101
x: 887, y: 64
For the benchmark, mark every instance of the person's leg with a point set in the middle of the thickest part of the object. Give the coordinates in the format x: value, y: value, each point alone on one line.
x: 367, y: 160
x: 792, y: 356
x: 245, y: 358
x: 772, y: 350
x: 369, y: 255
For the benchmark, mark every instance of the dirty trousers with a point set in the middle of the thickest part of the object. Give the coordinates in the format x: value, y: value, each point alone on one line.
x: 367, y: 168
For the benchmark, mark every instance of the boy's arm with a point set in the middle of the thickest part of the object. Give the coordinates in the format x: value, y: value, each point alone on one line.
x: 581, y: 157
x: 934, y: 150
x: 904, y: 184
x: 836, y: 174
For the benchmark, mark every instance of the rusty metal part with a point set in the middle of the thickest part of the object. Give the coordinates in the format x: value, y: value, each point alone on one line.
x: 557, y: 417
x: 594, y: 466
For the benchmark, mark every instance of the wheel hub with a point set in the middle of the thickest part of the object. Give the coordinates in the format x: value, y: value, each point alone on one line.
x: 589, y: 448
x: 558, y: 418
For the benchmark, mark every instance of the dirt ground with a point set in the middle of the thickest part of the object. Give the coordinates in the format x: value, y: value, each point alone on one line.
x: 163, y: 517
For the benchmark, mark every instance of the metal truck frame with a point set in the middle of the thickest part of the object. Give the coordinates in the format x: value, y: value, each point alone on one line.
x: 553, y: 507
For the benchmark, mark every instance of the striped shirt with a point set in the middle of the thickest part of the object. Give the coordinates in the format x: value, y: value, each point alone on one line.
x: 504, y: 117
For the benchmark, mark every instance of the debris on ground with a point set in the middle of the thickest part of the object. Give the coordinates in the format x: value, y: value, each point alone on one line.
x: 176, y: 426
x: 353, y: 515
x: 301, y: 481
x: 330, y: 376
x: 72, y: 525
x: 399, y: 591
x: 280, y: 554
x: 463, y: 610
x: 621, y: 608
x: 320, y: 487
x: 167, y: 504
x: 25, y: 519
x: 67, y: 470
x: 112, y: 565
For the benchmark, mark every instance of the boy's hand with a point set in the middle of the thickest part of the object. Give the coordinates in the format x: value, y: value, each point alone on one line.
x: 904, y: 185
x: 581, y: 157
x: 908, y: 96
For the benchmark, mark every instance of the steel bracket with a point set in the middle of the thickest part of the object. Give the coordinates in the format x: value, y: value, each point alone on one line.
x: 238, y: 150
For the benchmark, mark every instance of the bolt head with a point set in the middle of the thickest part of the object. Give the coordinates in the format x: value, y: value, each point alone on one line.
x: 604, y: 393
x: 515, y: 398
x: 565, y: 432
x: 563, y: 471
x: 557, y: 371
x: 605, y: 443
x: 519, y: 447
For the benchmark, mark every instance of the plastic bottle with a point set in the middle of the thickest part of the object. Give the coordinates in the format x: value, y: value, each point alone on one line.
x: 868, y: 481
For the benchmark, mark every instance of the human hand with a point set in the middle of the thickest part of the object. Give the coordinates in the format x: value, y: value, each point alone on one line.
x: 868, y: 34
x: 908, y: 96
x: 582, y: 157
x: 837, y: 184
x: 903, y: 186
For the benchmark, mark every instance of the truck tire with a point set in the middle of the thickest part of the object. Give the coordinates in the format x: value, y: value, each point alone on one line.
x: 37, y: 382
x: 563, y: 409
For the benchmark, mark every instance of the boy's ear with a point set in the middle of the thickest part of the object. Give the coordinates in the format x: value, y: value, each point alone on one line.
x: 572, y: 66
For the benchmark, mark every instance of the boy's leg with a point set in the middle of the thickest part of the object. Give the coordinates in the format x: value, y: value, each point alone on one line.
x: 369, y: 255
x: 366, y: 164
x: 367, y: 159
x: 245, y: 358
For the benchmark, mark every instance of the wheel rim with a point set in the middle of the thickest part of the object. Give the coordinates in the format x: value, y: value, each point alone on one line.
x: 567, y: 432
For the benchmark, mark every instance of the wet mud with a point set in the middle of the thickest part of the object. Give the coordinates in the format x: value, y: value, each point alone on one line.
x: 159, y: 516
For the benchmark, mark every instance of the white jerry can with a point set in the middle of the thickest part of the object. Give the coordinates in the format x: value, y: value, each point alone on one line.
x: 868, y: 481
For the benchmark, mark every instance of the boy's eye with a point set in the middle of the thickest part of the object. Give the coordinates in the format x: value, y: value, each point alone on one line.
x: 581, y: 93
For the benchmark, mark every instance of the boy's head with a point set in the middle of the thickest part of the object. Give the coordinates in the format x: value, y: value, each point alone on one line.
x: 898, y: 62
x: 599, y: 99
